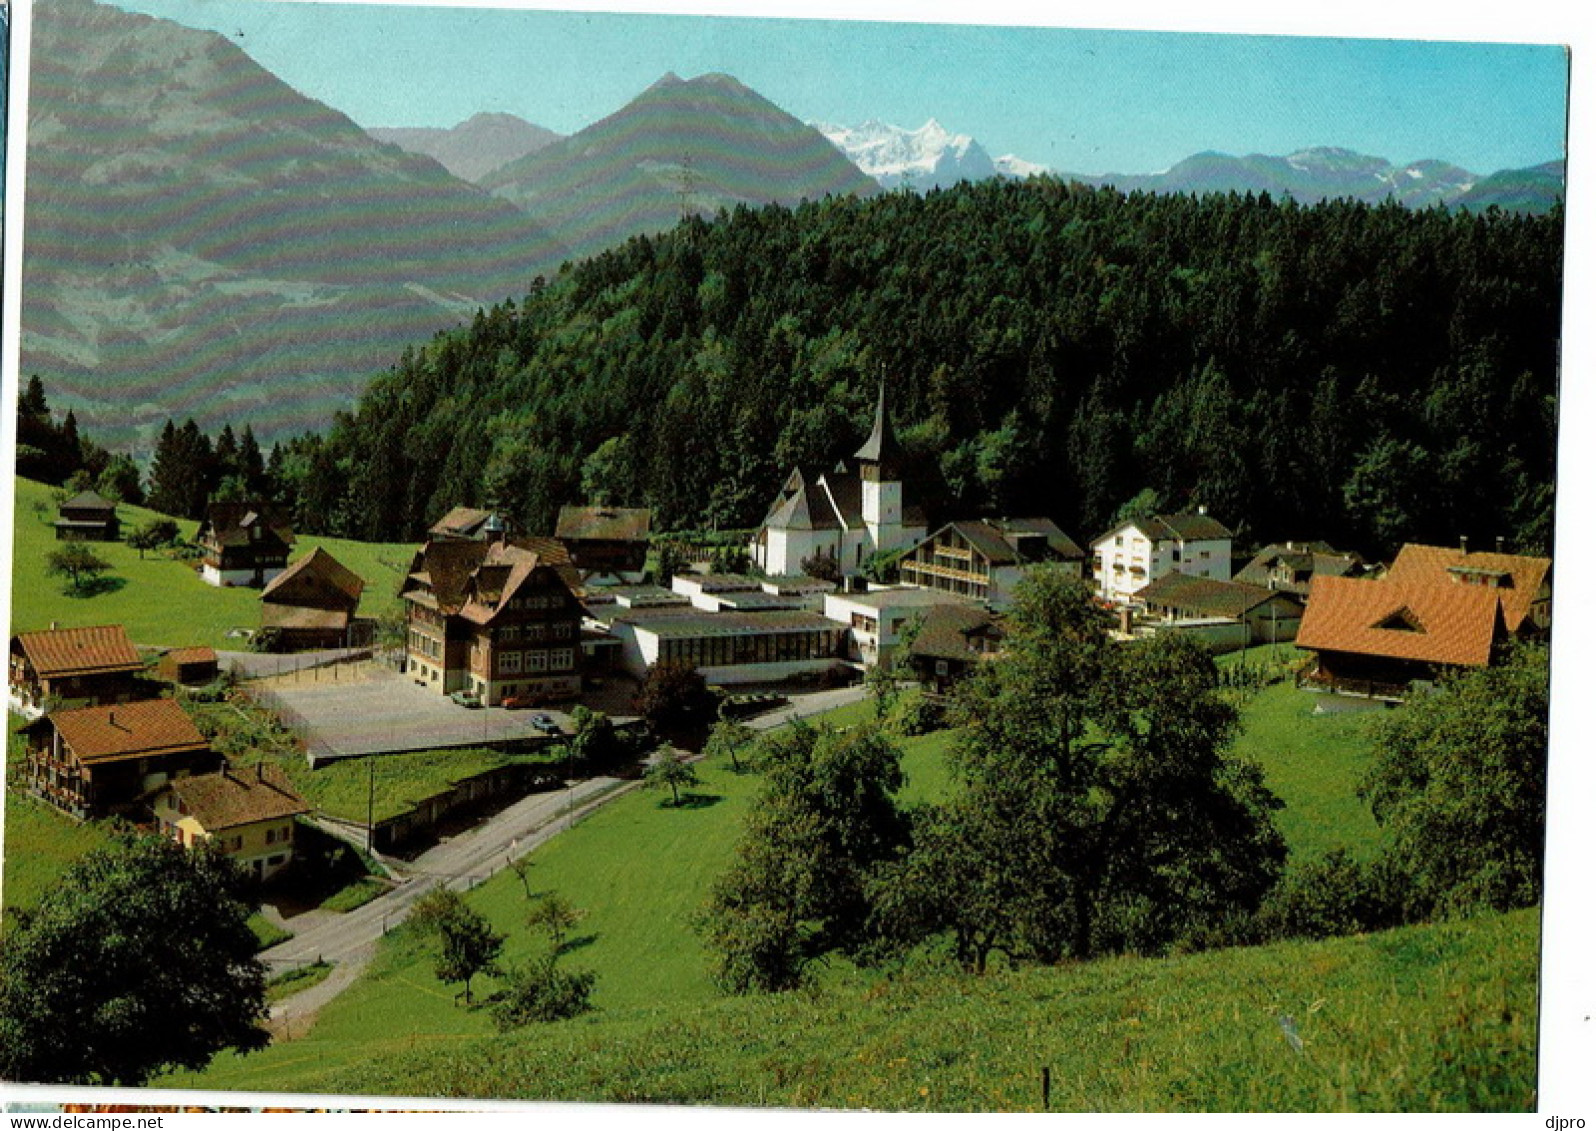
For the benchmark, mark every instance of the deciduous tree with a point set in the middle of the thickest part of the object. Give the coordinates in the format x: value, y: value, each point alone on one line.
x: 140, y: 960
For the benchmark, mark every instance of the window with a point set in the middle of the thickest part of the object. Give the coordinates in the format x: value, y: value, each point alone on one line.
x: 537, y: 661
x: 510, y: 632
x: 271, y: 836
x: 560, y: 659
x: 562, y: 631
x: 536, y: 631
x: 510, y: 663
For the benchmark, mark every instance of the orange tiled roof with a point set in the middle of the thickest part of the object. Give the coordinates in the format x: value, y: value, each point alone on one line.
x: 239, y: 797
x: 127, y: 730
x: 1443, y: 564
x: 60, y: 652
x: 1437, y: 623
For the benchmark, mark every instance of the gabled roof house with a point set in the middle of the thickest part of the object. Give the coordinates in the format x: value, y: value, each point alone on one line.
x: 1139, y: 551
x: 72, y: 667
x: 312, y: 604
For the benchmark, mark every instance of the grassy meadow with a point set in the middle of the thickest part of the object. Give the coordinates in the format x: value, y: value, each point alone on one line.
x: 161, y: 600
x: 1431, y: 1018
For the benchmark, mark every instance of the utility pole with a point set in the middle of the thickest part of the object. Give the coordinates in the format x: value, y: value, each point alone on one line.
x: 371, y: 799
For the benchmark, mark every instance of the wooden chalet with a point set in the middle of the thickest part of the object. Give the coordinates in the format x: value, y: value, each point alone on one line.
x: 467, y: 524
x: 1228, y: 614
x: 246, y: 814
x: 1292, y: 566
x: 606, y: 543
x: 313, y: 604
x: 985, y: 558
x: 73, y: 667
x: 88, y: 518
x: 243, y: 544
x: 499, y: 618
x: 99, y: 761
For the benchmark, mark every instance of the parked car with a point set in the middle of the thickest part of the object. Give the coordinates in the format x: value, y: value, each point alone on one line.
x: 546, y: 723
x: 518, y: 702
x: 466, y: 698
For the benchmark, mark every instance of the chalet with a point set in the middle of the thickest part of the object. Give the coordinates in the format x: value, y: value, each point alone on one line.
x: 952, y: 640
x: 607, y: 545
x: 73, y: 667
x: 877, y: 620
x: 843, y: 515
x: 312, y: 604
x: 191, y: 667
x: 243, y: 544
x: 1141, y: 550
x: 984, y: 559
x: 96, y: 761
x: 88, y: 518
x: 496, y: 618
x: 1291, y: 566
x: 1226, y: 615
x: 245, y: 814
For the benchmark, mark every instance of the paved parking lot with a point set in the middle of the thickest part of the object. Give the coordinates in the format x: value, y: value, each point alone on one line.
x: 370, y: 709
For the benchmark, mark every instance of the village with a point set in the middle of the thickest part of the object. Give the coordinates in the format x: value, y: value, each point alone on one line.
x: 512, y: 641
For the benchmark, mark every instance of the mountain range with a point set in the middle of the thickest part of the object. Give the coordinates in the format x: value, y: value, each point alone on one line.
x: 476, y: 147
x: 682, y: 146
x: 203, y: 240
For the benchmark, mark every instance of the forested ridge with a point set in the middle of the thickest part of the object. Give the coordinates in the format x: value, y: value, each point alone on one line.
x: 1363, y: 374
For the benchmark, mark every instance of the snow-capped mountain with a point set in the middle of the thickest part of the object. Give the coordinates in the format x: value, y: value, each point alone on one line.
x: 929, y: 157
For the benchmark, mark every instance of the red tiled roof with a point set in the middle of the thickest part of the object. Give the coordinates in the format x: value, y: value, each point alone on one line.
x: 61, y: 652
x: 1452, y: 624
x: 239, y: 797
x: 191, y: 656
x: 1446, y: 564
x: 127, y: 730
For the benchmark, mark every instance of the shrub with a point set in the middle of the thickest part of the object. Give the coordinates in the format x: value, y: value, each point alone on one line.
x: 539, y: 992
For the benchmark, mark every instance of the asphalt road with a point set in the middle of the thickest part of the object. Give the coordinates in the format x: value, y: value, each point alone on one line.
x: 349, y: 940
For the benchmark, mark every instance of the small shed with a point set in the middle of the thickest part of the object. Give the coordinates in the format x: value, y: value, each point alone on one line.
x: 191, y: 667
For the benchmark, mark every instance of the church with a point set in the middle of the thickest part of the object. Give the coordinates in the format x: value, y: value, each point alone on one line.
x: 847, y: 516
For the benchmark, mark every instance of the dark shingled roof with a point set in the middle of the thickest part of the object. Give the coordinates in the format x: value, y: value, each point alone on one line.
x: 882, y: 445
x: 317, y: 579
x: 475, y: 579
x: 461, y: 522
x: 88, y: 501
x: 1205, y: 596
x: 946, y: 631
x: 230, y: 523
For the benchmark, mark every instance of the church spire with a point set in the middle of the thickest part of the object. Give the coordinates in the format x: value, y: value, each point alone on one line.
x: 882, y: 447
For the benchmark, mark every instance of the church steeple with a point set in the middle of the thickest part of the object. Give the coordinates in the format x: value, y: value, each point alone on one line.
x: 880, y: 458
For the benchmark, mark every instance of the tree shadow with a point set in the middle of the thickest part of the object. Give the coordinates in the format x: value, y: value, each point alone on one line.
x: 694, y: 801
x: 577, y: 943
x: 95, y: 588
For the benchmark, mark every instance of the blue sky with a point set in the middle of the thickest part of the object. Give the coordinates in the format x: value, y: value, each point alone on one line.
x: 1078, y: 101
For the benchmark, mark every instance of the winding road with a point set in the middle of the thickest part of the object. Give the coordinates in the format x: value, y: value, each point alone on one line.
x: 347, y: 941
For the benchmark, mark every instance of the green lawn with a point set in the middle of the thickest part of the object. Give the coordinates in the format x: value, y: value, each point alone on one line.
x: 342, y: 788
x: 161, y: 601
x: 40, y: 844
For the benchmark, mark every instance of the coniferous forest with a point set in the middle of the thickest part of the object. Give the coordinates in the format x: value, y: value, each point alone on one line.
x: 1367, y: 375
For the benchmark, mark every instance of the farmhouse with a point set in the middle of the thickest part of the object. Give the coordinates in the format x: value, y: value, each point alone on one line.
x: 243, y: 544
x: 841, y: 515
x: 985, y: 559
x: 88, y: 518
x: 496, y: 618
x: 1436, y: 608
x: 248, y: 815
x: 96, y: 761
x: 1141, y: 550
x: 312, y: 604
x: 73, y: 667
x: 608, y: 545
x: 467, y: 524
